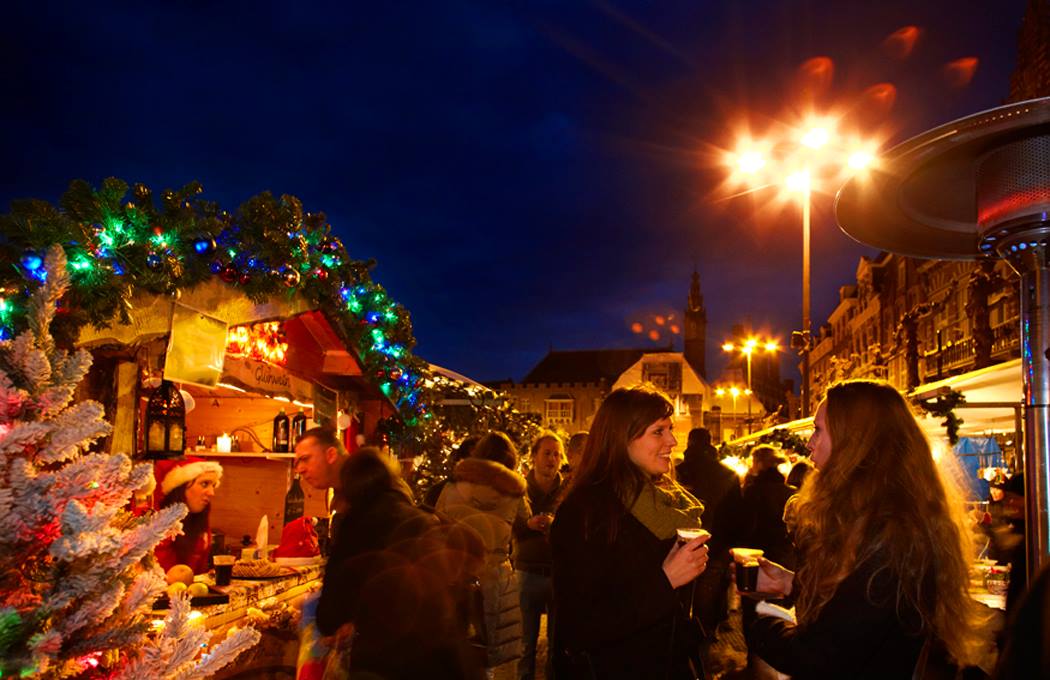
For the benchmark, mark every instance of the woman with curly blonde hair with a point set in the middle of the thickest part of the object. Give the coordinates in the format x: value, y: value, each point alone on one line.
x: 884, y: 549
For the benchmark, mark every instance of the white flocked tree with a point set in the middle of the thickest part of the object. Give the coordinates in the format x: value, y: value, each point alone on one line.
x: 77, y: 576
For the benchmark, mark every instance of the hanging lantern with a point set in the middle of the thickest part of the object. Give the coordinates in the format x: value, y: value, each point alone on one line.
x: 165, y: 422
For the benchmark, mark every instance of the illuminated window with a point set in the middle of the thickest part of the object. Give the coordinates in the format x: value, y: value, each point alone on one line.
x: 559, y: 411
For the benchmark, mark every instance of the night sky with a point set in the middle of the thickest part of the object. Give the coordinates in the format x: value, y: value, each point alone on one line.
x: 526, y: 174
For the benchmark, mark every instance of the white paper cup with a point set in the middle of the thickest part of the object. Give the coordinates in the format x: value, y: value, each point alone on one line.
x: 686, y: 535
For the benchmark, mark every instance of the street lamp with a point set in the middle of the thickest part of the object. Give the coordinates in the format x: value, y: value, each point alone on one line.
x: 799, y: 160
x: 747, y: 348
x: 734, y: 392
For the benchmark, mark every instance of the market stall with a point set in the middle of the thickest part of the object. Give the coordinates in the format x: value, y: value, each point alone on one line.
x: 214, y: 335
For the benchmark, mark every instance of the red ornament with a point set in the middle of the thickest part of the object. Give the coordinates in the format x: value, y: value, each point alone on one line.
x: 244, y: 279
x: 321, y: 274
x: 229, y: 273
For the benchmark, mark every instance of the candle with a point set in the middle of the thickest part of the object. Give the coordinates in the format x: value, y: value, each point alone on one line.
x: 222, y: 443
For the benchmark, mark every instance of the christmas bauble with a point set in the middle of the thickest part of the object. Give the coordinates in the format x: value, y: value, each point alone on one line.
x: 204, y: 245
x: 215, y: 266
x: 153, y: 261
x: 291, y: 277
x: 229, y: 273
x: 244, y: 278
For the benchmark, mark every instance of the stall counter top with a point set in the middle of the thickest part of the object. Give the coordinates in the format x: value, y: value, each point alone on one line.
x: 259, y: 593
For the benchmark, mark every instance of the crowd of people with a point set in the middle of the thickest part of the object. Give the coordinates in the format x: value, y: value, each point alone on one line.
x: 867, y: 542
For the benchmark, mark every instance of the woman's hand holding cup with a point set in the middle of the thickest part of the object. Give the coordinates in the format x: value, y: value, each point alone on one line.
x: 774, y: 579
x: 688, y: 557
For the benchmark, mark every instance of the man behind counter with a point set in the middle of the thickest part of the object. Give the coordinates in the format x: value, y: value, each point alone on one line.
x: 319, y: 457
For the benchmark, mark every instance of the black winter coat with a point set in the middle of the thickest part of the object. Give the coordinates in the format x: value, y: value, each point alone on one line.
x: 765, y: 495
x: 859, y: 634
x: 718, y: 488
x: 389, y: 575
x: 618, y: 616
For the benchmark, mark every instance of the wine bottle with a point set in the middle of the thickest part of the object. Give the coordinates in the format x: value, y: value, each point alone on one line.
x: 280, y: 432
x: 294, y: 501
x: 298, y: 426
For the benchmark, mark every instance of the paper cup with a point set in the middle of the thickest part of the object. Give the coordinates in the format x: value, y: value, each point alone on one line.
x: 746, y: 555
x: 690, y: 534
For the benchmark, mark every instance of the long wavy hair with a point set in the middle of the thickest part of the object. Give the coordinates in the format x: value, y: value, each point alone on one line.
x: 881, y: 493
x: 623, y: 417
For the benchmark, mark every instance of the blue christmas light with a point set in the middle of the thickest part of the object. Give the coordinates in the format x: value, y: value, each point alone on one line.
x: 374, y: 317
x: 32, y: 262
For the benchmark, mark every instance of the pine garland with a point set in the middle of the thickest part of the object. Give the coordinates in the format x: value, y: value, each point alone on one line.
x: 270, y: 247
x: 943, y: 406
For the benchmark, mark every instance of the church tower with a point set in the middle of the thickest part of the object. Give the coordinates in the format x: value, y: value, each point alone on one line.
x: 696, y: 328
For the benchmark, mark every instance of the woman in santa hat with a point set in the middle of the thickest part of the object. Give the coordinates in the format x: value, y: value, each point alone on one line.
x: 192, y: 481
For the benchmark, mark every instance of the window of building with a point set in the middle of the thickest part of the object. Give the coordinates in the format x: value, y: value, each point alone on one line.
x: 559, y: 410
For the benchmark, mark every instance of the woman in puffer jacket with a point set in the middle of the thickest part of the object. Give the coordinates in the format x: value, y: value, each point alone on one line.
x: 489, y: 496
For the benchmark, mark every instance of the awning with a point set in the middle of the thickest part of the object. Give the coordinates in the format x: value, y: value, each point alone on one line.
x: 991, y: 395
x: 314, y: 349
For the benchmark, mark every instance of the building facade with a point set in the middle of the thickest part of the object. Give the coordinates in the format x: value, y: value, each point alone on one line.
x: 912, y: 321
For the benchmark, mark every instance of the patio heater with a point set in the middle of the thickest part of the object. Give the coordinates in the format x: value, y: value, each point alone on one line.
x: 974, y: 188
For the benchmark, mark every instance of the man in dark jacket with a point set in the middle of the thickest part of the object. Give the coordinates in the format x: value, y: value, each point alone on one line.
x: 718, y: 488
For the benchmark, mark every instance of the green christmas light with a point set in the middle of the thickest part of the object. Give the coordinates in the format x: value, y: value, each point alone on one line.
x: 81, y: 263
x: 378, y: 336
x: 391, y: 316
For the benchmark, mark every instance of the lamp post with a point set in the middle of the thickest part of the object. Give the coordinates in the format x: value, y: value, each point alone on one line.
x: 734, y: 392
x: 747, y: 348
x: 798, y: 160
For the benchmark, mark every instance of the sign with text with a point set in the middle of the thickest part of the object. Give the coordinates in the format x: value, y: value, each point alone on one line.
x: 259, y: 376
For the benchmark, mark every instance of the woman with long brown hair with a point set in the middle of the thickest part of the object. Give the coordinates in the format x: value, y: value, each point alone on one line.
x: 884, y: 549
x: 616, y: 562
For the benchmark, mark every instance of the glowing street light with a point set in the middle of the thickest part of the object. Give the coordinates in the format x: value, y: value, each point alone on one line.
x: 747, y: 348
x: 734, y: 392
x: 810, y: 157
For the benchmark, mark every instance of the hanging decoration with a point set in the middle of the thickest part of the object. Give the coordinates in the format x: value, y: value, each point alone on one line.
x: 943, y: 406
x: 261, y: 341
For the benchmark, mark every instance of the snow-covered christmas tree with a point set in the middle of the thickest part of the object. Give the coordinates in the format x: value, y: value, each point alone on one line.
x: 77, y: 577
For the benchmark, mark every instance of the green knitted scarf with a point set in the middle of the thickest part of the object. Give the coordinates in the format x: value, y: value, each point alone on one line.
x: 665, y: 509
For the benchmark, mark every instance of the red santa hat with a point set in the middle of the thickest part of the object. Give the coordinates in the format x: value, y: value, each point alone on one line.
x: 174, y: 472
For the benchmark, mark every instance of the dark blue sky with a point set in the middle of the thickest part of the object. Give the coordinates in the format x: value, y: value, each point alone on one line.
x: 526, y: 174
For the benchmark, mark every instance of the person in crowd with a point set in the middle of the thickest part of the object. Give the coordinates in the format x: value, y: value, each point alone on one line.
x: 798, y: 473
x: 489, y: 496
x: 1025, y: 654
x: 617, y: 566
x: 192, y: 481
x: 573, y: 451
x: 390, y: 580
x: 885, y: 550
x: 462, y: 451
x: 1007, y: 533
x: 765, y: 493
x: 532, y: 552
x: 718, y: 488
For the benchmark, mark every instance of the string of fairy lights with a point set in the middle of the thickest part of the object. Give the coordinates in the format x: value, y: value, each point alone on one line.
x: 270, y: 247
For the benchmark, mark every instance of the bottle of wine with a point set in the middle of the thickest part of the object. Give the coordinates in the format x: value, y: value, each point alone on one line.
x: 298, y: 426
x: 280, y: 432
x: 294, y: 501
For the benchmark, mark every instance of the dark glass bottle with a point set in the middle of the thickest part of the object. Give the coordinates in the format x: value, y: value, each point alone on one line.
x: 298, y: 426
x: 280, y: 432
x: 294, y: 501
